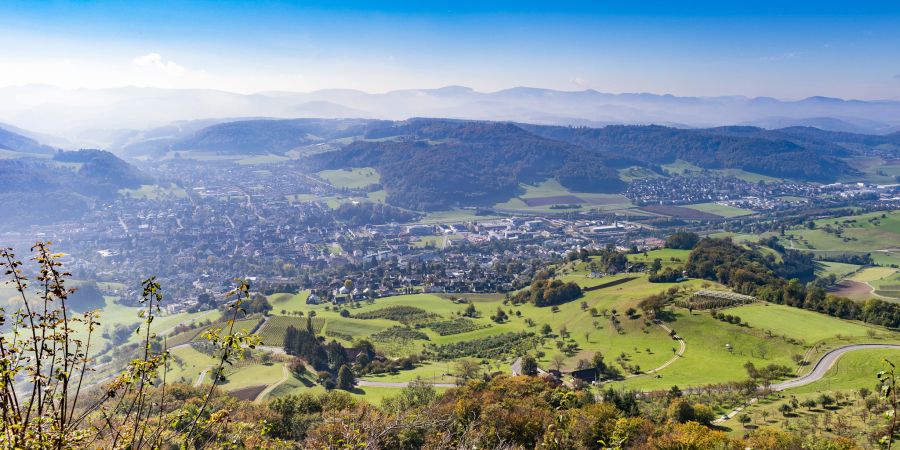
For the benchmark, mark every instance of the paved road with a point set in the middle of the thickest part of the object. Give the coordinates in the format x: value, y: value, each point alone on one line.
x: 825, y: 363
x: 201, y: 377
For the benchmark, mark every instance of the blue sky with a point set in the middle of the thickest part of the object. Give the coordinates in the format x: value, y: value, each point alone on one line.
x: 780, y: 49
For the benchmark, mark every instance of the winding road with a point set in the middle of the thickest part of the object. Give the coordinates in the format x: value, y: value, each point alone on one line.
x: 825, y: 363
x: 201, y: 377
x: 286, y: 374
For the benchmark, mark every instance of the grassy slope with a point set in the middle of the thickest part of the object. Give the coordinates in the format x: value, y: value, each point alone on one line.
x: 798, y: 323
x: 707, y: 360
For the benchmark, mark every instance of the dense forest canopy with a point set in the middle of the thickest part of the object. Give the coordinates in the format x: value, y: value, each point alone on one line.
x: 753, y: 149
x: 750, y: 272
x: 437, y: 164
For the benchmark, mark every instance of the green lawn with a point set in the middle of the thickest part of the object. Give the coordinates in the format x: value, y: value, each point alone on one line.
x: 453, y: 216
x: 154, y: 192
x: 253, y: 375
x: 288, y: 302
x: 371, y: 394
x: 552, y: 188
x: 707, y: 360
x: 351, y: 178
x: 187, y: 363
x: 670, y: 257
x: 872, y: 274
x: 429, y: 241
x: 720, y: 210
x: 840, y: 270
x: 433, y: 372
x: 808, y: 326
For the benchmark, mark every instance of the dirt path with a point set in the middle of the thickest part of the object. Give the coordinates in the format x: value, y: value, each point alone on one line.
x: 201, y: 377
x: 286, y: 375
x: 675, y: 357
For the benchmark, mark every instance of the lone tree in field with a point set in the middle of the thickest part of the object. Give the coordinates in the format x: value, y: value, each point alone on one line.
x: 785, y: 409
x: 345, y: 378
x: 529, y: 366
x: 546, y: 330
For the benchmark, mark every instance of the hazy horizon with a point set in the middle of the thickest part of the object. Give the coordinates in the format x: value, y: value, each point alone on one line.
x: 705, y: 49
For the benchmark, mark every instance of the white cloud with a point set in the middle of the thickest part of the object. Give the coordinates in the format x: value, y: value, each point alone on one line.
x: 581, y: 82
x: 155, y: 60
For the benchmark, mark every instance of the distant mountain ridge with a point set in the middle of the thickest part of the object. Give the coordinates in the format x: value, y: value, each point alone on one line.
x: 13, y: 141
x: 93, y: 116
x: 434, y: 164
x: 440, y: 163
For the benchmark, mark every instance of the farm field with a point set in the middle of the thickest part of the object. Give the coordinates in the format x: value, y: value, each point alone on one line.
x: 871, y: 274
x: 541, y: 197
x: 248, y: 325
x: 876, y: 233
x: 720, y: 210
x: 272, y: 332
x: 680, y: 212
x: 351, y: 179
x: 154, y: 192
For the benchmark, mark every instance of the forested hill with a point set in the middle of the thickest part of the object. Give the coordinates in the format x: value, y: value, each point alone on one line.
x: 18, y: 143
x: 268, y: 135
x: 781, y: 153
x: 429, y: 164
x: 42, y: 190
